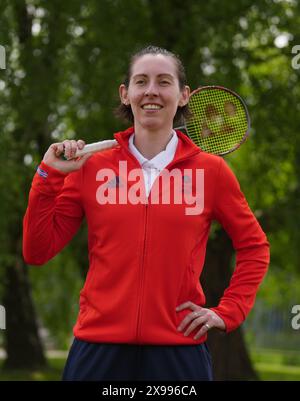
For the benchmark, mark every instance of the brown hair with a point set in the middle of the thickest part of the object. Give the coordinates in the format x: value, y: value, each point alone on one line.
x: 124, y: 111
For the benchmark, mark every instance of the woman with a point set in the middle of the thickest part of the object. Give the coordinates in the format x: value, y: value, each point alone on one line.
x: 141, y: 308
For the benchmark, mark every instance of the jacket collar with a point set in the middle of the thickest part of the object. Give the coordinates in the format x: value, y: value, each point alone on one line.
x: 185, y: 147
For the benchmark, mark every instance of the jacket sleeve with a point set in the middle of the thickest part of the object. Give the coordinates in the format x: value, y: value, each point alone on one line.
x: 53, y: 215
x: 250, y: 243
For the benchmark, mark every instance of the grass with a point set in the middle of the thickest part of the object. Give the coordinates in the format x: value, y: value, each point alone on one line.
x: 276, y: 364
x: 52, y: 372
x: 277, y: 372
x: 270, y: 364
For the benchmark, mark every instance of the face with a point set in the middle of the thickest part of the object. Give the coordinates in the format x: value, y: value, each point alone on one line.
x: 153, y: 92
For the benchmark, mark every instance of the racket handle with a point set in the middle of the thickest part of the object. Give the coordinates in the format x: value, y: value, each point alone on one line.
x: 97, y: 147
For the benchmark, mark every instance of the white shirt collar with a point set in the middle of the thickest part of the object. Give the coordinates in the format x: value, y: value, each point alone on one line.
x: 162, y: 159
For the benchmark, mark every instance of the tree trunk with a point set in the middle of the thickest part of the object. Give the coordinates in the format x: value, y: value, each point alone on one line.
x: 229, y: 352
x: 22, y: 342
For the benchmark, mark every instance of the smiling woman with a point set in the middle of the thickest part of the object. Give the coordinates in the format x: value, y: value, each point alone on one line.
x: 124, y: 110
x: 142, y: 309
x: 153, y: 94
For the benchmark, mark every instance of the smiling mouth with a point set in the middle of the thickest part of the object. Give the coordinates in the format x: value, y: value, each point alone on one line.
x: 151, y: 106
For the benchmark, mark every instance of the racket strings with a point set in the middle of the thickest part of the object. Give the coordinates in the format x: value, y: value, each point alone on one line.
x: 220, y: 121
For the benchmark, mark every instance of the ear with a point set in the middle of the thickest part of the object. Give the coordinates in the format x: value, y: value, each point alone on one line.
x: 123, y: 92
x: 185, y: 95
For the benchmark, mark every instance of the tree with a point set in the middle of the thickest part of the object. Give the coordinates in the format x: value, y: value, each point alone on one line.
x: 27, y: 90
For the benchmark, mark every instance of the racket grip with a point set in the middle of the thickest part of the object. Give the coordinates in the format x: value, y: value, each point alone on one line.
x: 96, y: 147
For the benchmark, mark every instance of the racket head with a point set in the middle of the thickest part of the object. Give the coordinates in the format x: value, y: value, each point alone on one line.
x: 220, y: 121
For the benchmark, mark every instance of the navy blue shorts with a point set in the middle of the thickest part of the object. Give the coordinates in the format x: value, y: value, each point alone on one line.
x: 134, y: 362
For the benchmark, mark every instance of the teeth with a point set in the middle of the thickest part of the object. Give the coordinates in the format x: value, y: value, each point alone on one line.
x: 151, y: 106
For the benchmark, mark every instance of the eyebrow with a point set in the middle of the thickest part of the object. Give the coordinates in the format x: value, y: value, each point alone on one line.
x: 159, y: 75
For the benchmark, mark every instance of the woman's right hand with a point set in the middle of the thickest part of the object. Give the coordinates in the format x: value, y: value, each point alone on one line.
x: 67, y: 148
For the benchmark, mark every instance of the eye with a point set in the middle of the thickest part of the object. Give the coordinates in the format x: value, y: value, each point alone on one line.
x: 140, y: 82
x: 165, y: 82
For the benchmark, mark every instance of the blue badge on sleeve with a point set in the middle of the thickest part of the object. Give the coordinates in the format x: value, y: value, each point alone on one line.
x: 42, y: 173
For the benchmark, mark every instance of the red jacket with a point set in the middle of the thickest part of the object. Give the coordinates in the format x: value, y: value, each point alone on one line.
x: 145, y: 259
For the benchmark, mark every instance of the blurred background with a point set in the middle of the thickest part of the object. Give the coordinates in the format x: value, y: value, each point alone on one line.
x: 63, y: 66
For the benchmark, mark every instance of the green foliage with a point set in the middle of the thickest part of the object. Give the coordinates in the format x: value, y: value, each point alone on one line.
x: 56, y: 287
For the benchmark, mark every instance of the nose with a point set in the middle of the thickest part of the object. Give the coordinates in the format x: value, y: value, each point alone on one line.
x: 151, y: 89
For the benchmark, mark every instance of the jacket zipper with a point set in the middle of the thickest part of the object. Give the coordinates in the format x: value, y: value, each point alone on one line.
x: 140, y: 293
x: 140, y: 298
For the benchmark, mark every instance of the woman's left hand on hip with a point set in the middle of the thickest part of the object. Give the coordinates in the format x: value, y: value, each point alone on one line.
x: 203, y: 317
